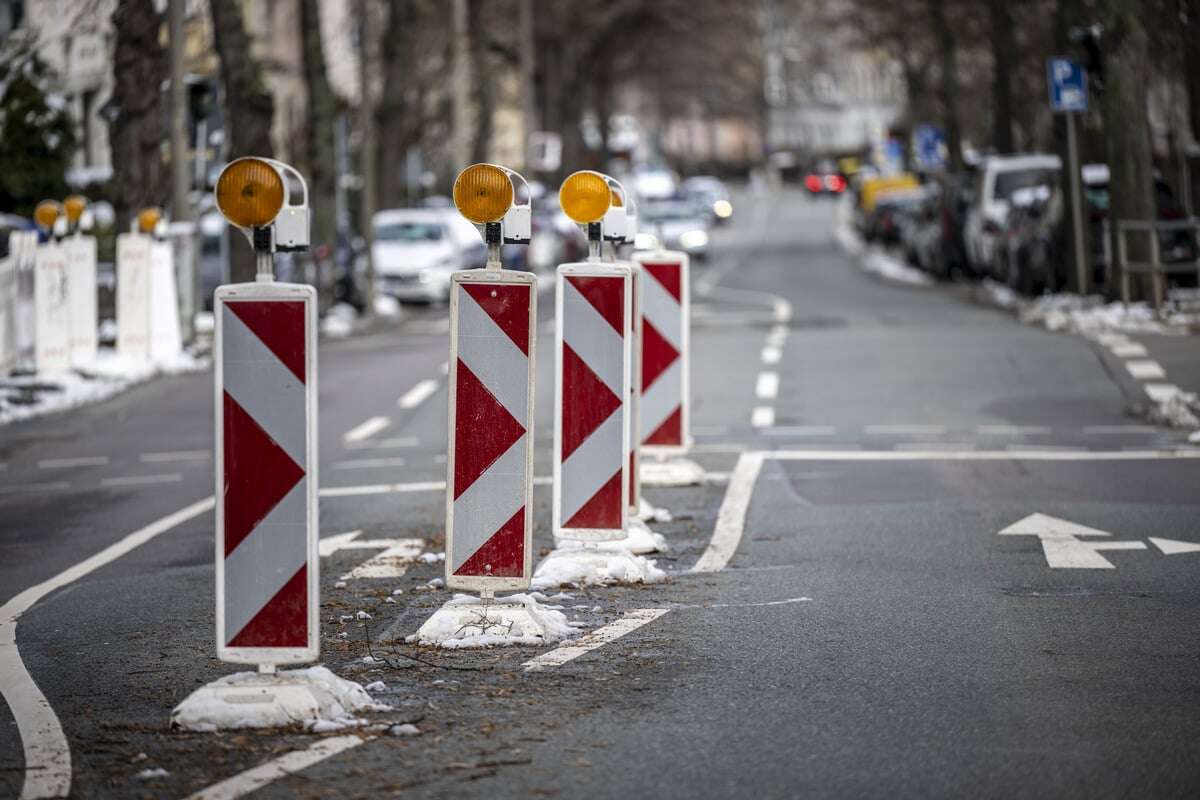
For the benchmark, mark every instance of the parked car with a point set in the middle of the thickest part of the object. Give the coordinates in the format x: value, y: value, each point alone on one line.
x: 678, y: 224
x: 997, y: 178
x: 883, y: 223
x: 10, y: 223
x: 711, y: 194
x: 416, y: 250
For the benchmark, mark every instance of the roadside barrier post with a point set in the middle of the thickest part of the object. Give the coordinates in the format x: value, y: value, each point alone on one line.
x: 51, y: 302
x: 79, y: 251
x: 489, y: 463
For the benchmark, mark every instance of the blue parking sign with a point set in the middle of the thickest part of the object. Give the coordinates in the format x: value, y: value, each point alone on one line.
x: 1068, y: 85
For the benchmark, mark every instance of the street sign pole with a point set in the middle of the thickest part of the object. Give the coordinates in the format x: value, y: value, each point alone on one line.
x: 1081, y: 273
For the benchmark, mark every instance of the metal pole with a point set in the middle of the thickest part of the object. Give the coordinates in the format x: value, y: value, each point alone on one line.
x: 461, y: 85
x: 1081, y: 276
x: 528, y: 102
x: 266, y: 267
x: 366, y: 160
x: 180, y: 206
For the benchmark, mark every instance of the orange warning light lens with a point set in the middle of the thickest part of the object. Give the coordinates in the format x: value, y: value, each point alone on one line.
x: 585, y: 196
x: 147, y: 219
x: 74, y: 206
x: 483, y: 193
x: 617, y: 202
x: 250, y: 193
x: 46, y: 213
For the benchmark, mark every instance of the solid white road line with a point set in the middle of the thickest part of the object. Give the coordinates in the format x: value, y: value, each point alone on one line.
x: 1012, y: 430
x: 418, y: 394
x: 44, y: 486
x: 365, y: 430
x: 368, y: 463
x: 1128, y: 350
x: 762, y: 417
x: 803, y: 430
x: 82, y: 461
x: 771, y: 355
x: 939, y: 446
x: 1042, y: 454
x: 175, y: 455
x: 731, y: 517
x: 47, y: 754
x: 1161, y: 392
x: 597, y: 638
x: 768, y: 386
x: 904, y: 430
x: 251, y: 780
x: 394, y: 443
x: 382, y: 488
x: 1145, y: 370
x: 1118, y: 430
x: 142, y: 480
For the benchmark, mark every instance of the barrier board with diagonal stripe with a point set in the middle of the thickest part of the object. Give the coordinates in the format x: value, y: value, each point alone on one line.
x: 265, y: 367
x: 664, y: 404
x: 591, y: 447
x: 489, y: 485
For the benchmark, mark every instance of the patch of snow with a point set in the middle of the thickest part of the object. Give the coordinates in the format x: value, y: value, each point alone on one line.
x: 647, y: 512
x: 431, y: 558
x: 879, y: 263
x: 1194, y: 437
x: 333, y: 725
x: 391, y: 600
x: 1090, y: 314
x: 362, y: 615
x: 517, y: 619
x: 204, y: 322
x: 575, y: 564
x: 151, y: 774
x: 641, y: 540
x: 1000, y: 295
x: 254, y: 700
x: 406, y: 729
x: 387, y: 306
x: 338, y: 322
x: 397, y: 592
x: 26, y: 396
x: 1178, y: 410
x: 377, y: 686
x: 436, y: 583
x: 339, y: 585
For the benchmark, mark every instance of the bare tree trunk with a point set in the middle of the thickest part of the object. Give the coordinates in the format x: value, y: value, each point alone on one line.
x: 1004, y: 64
x: 322, y: 114
x: 1067, y: 13
x: 478, y: 24
x: 1191, y: 63
x: 249, y: 107
x: 949, y: 85
x: 397, y: 130
x: 139, y: 176
x: 1126, y: 75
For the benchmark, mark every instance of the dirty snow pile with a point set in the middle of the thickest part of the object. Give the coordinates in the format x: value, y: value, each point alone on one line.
x: 231, y: 702
x: 880, y: 263
x: 575, y: 564
x: 1000, y: 295
x: 1177, y: 410
x: 387, y: 306
x: 338, y: 322
x: 1069, y: 313
x: 516, y: 619
x: 25, y: 396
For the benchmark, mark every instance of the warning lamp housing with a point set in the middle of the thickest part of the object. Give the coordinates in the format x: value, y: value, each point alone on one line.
x: 585, y: 196
x: 74, y: 206
x: 619, y: 224
x: 254, y: 195
x: 486, y: 194
x: 46, y: 214
x: 149, y: 220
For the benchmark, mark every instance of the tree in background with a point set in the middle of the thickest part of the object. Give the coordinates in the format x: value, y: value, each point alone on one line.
x: 319, y: 162
x: 1004, y: 57
x: 39, y: 136
x: 137, y: 130
x: 249, y: 107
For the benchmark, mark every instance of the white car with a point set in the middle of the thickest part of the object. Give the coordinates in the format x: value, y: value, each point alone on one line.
x: 998, y: 178
x: 676, y: 224
x: 417, y: 249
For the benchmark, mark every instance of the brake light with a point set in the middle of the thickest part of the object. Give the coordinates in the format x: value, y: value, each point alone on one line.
x: 813, y: 183
x: 835, y: 183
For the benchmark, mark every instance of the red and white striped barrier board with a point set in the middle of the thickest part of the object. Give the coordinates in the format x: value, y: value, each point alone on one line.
x: 489, y: 486
x: 664, y: 406
x: 635, y: 388
x: 591, y: 436
x: 266, y: 470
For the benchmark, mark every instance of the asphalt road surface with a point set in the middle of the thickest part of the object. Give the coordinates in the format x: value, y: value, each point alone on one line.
x: 873, y: 633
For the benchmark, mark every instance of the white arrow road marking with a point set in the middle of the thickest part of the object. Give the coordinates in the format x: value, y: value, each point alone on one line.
x: 1062, y: 547
x: 393, y: 562
x: 1145, y: 369
x: 1171, y: 547
x: 253, y: 779
x: 597, y: 638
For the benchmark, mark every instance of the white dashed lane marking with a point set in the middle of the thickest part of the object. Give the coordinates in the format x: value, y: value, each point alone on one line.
x: 369, y: 463
x: 768, y: 386
x: 175, y: 455
x: 904, y: 430
x: 1145, y: 370
x: 596, y: 639
x: 366, y: 429
x: 64, y: 463
x: 142, y: 480
x: 418, y: 394
x: 762, y: 417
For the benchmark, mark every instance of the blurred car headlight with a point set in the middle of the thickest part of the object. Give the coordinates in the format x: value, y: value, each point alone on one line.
x: 645, y: 241
x: 690, y: 240
x: 723, y: 209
